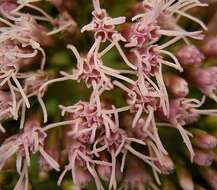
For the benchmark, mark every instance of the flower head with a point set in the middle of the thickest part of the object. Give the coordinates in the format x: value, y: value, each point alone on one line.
x: 90, y: 69
x: 139, y: 34
x: 79, y: 156
x: 102, y: 25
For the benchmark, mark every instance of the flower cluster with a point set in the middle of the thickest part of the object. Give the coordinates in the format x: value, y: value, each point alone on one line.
x: 103, y: 142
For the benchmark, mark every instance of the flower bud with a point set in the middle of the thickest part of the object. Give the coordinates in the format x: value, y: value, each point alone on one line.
x: 203, y: 157
x: 202, y: 139
x: 184, y: 178
x: 189, y: 55
x: 205, y: 80
x: 177, y: 86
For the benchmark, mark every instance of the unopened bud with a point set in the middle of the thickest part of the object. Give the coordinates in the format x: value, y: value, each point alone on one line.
x: 202, y: 139
x: 177, y: 86
x: 184, y: 178
x: 189, y: 55
x: 205, y: 80
x: 203, y: 157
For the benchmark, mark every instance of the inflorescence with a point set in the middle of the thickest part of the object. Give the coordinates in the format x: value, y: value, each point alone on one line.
x: 104, y: 142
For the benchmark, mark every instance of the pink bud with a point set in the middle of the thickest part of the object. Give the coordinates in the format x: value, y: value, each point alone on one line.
x: 200, y: 77
x: 189, y: 55
x: 202, y: 139
x: 203, y: 157
x: 177, y: 86
x: 205, y: 80
x: 184, y: 178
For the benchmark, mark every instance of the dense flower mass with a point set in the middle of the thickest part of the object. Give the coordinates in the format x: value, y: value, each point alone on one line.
x: 139, y: 127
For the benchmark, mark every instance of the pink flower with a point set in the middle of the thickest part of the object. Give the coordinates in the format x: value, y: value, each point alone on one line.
x: 139, y: 34
x: 14, y: 57
x: 31, y: 139
x: 120, y: 143
x: 141, y: 98
x: 161, y: 14
x: 79, y: 156
x: 103, y: 25
x: 149, y: 134
x: 165, y: 164
x: 149, y: 58
x: 185, y: 111
x: 90, y: 69
x: 87, y: 120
